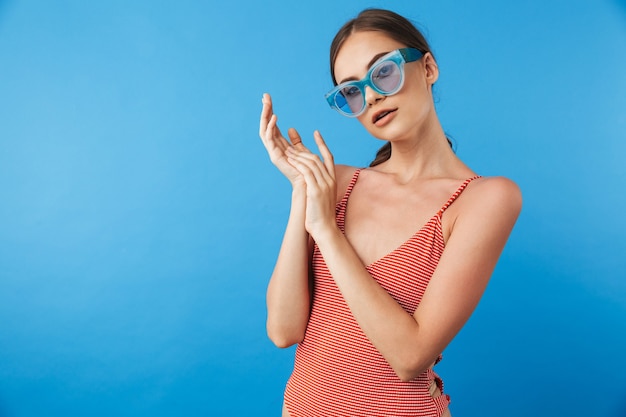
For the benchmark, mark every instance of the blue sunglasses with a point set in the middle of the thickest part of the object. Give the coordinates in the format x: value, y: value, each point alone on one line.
x: 386, y: 77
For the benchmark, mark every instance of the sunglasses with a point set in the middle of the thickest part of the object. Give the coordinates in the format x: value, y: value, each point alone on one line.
x: 386, y: 77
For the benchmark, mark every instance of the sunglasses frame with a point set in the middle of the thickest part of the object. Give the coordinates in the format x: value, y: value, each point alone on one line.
x: 398, y: 56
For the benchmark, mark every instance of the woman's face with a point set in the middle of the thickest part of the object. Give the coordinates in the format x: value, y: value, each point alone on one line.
x: 388, y: 117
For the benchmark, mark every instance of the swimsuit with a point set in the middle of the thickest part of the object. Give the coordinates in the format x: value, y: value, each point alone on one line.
x: 337, y: 371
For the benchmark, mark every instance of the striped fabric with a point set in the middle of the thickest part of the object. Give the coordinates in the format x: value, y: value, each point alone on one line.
x: 337, y: 371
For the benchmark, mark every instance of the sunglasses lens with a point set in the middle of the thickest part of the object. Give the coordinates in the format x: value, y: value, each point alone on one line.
x: 350, y: 99
x: 387, y: 76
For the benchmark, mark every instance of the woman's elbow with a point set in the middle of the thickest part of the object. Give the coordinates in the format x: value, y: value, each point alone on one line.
x: 411, y: 369
x: 284, y: 342
x: 406, y: 374
x: 284, y: 339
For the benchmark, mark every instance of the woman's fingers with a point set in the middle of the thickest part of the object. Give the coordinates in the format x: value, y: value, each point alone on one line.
x: 268, y: 129
x: 320, y: 185
x: 266, y: 113
x: 310, y: 164
x: 329, y: 161
x: 296, y: 141
x: 293, y: 150
x: 304, y: 169
x: 272, y: 136
x: 273, y: 140
x: 324, y: 170
x: 294, y: 136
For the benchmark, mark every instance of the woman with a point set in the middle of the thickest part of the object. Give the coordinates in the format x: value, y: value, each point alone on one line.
x: 380, y: 267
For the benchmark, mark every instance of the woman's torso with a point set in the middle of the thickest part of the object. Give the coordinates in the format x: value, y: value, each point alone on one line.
x: 337, y: 370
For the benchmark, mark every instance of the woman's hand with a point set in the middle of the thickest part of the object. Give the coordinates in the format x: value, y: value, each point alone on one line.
x: 276, y: 144
x: 321, y: 187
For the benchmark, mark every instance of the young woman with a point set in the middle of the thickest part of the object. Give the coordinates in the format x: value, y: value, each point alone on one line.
x: 380, y: 267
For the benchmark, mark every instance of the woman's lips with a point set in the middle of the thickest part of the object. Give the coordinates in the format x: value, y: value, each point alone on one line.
x: 383, y: 117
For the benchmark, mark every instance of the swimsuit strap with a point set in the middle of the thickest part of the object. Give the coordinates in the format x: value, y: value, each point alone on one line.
x: 340, y: 208
x: 456, y: 194
x: 346, y: 195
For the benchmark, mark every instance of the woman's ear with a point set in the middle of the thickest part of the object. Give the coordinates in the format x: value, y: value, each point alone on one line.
x: 431, y: 68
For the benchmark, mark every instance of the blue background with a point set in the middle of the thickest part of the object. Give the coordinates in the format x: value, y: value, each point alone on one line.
x: 140, y: 217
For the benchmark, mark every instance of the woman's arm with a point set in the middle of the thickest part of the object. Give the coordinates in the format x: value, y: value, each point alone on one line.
x: 289, y: 289
x: 411, y: 343
x: 481, y: 228
x: 288, y: 293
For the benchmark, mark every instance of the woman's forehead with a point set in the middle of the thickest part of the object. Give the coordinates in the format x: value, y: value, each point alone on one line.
x: 359, y: 49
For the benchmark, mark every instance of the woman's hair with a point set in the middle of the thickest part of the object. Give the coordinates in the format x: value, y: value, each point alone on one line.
x: 393, y: 25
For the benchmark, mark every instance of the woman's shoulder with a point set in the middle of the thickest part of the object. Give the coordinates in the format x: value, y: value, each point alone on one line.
x: 497, y: 186
x: 493, y: 194
x: 343, y: 171
x: 489, y: 206
x: 343, y: 176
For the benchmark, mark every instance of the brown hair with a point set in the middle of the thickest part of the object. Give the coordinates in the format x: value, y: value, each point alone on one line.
x: 393, y: 25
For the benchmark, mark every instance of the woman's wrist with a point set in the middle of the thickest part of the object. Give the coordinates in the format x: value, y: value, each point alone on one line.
x: 298, y: 193
x: 298, y: 185
x: 326, y: 234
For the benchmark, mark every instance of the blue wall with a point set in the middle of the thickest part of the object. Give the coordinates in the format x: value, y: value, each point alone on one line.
x: 140, y: 218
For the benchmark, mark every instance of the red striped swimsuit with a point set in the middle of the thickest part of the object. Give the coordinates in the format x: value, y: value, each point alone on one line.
x: 337, y: 371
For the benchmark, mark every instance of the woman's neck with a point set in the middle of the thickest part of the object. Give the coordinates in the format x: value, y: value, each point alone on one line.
x: 425, y: 154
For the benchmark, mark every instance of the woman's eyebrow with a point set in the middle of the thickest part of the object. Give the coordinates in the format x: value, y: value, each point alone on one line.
x: 372, y: 61
x: 376, y: 58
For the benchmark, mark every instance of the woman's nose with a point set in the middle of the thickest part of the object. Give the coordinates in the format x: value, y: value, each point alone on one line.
x: 371, y: 96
